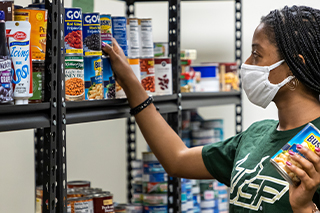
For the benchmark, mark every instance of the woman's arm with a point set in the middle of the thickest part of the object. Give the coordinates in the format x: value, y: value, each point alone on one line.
x: 175, y: 157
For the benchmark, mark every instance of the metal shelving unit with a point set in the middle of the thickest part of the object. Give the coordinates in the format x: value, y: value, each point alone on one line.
x: 49, y: 119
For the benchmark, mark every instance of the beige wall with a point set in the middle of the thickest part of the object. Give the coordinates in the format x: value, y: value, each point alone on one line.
x: 96, y: 151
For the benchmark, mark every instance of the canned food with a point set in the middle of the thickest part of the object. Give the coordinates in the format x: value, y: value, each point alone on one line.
x: 146, y: 38
x: 103, y: 202
x: 134, y: 208
x: 73, y: 31
x: 74, y: 78
x: 137, y: 198
x: 39, y: 197
x: 68, y: 207
x: 38, y: 78
x: 163, y: 76
x: 155, y: 188
x: 147, y: 74
x: 120, y: 208
x: 93, y: 78
x: 81, y: 204
x: 38, y: 21
x: 308, y: 137
x: 119, y: 32
x: 161, y: 49
x: 91, y: 34
x: 106, y: 29
x: 108, y: 79
x: 78, y: 183
x: 74, y: 194
x: 155, y: 209
x: 155, y: 177
x: 7, y: 7
x: 133, y: 38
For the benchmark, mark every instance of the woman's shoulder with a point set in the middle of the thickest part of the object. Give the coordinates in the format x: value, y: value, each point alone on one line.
x: 263, y: 125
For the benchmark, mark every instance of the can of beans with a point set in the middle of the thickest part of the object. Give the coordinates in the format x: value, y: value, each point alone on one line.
x: 91, y: 34
x: 163, y: 76
x: 38, y: 21
x: 308, y: 137
x: 120, y: 208
x: 106, y: 29
x: 81, y: 204
x: 155, y: 209
x: 103, y: 202
x: 78, y: 183
x: 119, y: 32
x: 38, y: 78
x: 74, y: 78
x: 73, y: 31
x: 133, y: 38
x: 108, y: 79
x: 93, y: 78
x: 131, y: 208
x: 147, y: 75
x: 8, y: 9
x: 146, y: 38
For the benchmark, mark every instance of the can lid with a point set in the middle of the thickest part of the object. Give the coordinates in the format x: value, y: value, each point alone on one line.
x: 2, y: 15
x: 102, y: 194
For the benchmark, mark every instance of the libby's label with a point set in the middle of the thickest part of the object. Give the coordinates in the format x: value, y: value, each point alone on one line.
x: 106, y: 29
x: 73, y: 31
x: 91, y: 34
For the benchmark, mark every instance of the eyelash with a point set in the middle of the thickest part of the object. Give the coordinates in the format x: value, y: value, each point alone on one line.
x: 254, y: 53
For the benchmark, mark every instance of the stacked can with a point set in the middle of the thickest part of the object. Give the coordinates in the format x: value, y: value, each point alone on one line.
x: 109, y: 83
x: 74, y: 67
x: 147, y: 56
x: 92, y: 56
x: 223, y: 196
x: 155, y: 186
x: 38, y: 21
x: 163, y: 76
x: 196, y: 196
x: 186, y: 196
x: 209, y: 203
x: 210, y: 131
x: 217, y: 126
x: 136, y: 173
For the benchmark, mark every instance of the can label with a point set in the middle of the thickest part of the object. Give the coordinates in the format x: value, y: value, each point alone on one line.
x: 83, y: 206
x: 147, y: 74
x: 103, y: 204
x: 119, y: 31
x: 8, y: 8
x: 108, y: 79
x: 308, y: 137
x: 38, y: 21
x: 73, y: 31
x: 69, y: 208
x: 37, y: 85
x: 6, y: 90
x: 161, y: 49
x: 163, y: 76
x: 91, y: 34
x: 93, y: 78
x: 146, y: 37
x: 133, y: 38
x: 156, y: 177
x: 155, y: 209
x: 155, y: 188
x: 106, y: 29
x: 74, y: 77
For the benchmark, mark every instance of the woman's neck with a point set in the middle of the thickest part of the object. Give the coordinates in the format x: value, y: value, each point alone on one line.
x: 297, y: 111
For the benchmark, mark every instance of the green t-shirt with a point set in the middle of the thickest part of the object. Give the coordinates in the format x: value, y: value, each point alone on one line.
x: 243, y: 163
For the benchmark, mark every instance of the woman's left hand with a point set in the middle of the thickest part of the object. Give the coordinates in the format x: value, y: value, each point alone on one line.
x: 300, y: 196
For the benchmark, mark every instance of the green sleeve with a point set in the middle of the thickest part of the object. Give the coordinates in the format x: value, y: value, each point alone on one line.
x: 219, y: 157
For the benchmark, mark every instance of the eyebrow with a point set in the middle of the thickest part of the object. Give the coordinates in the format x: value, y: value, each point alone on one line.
x: 256, y: 45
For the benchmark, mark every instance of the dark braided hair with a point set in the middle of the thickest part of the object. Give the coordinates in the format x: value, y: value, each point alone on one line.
x: 296, y: 31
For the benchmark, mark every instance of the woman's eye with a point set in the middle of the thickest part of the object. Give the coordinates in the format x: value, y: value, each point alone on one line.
x: 254, y: 53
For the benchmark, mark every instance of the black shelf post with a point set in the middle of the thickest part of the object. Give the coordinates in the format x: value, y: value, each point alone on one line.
x: 131, y: 154
x: 238, y: 57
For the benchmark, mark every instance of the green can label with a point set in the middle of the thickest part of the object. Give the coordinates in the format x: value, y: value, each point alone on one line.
x: 74, y: 76
x: 37, y: 86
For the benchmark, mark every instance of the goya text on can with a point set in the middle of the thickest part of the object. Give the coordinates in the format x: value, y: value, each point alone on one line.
x: 119, y: 31
x: 91, y: 34
x: 38, y: 21
x: 93, y: 78
x: 73, y: 31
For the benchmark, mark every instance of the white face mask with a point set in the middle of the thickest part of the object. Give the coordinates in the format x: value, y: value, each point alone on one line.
x: 256, y: 84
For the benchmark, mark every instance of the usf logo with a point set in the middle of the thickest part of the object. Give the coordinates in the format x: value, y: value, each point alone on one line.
x: 249, y: 188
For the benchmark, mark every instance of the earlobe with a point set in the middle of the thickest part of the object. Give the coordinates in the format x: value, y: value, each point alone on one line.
x: 300, y: 56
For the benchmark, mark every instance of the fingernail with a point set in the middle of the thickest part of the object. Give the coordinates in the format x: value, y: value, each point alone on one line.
x: 317, y: 149
x: 299, y: 146
x: 103, y: 44
x: 291, y: 152
x: 288, y: 163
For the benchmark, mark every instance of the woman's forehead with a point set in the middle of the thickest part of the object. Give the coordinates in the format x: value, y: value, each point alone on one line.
x: 260, y: 38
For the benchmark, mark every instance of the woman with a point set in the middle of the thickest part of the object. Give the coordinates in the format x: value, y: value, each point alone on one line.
x: 284, y: 68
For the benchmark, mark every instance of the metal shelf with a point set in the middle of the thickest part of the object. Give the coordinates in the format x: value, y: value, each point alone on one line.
x: 88, y: 111
x: 202, y: 99
x: 148, y: 1
x: 18, y: 117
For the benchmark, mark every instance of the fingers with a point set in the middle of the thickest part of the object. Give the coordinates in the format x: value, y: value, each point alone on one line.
x: 313, y: 157
x: 108, y: 50
x: 301, y: 174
